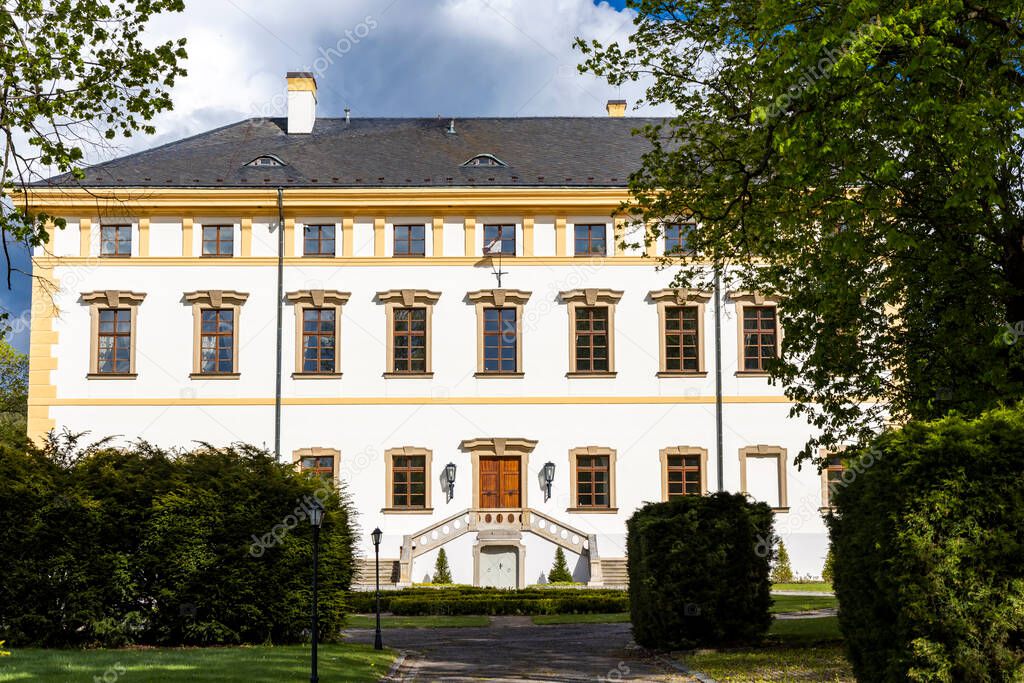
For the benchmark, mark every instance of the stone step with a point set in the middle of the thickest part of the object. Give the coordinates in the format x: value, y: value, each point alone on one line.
x: 389, y: 571
x: 614, y: 571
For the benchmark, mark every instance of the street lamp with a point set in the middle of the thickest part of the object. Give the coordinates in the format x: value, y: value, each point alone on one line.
x: 449, y: 476
x: 316, y: 516
x: 549, y: 476
x: 378, y: 643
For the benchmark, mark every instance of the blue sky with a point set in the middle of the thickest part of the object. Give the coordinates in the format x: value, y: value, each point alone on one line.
x: 379, y: 58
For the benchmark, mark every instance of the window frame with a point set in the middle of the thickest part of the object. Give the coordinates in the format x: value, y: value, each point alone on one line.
x: 117, y: 228
x: 498, y: 298
x: 683, y: 452
x: 320, y: 253
x: 219, y: 227
x: 591, y: 298
x: 763, y: 451
x: 389, y: 475
x: 217, y: 300
x: 500, y: 447
x: 681, y: 240
x: 592, y: 451
x: 743, y: 300
x: 318, y: 452
x: 826, y: 490
x: 502, y: 227
x: 106, y: 300
x: 680, y: 298
x: 408, y: 240
x: 393, y: 299
x: 589, y: 239
x: 304, y: 299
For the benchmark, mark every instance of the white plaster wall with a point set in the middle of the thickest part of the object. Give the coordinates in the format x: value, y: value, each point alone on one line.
x: 454, y: 242
x: 164, y: 237
x: 544, y: 236
x: 264, y: 236
x: 64, y: 242
x: 357, y: 420
x: 362, y: 236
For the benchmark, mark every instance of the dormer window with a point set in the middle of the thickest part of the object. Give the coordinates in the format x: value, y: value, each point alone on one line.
x: 485, y: 160
x: 266, y: 160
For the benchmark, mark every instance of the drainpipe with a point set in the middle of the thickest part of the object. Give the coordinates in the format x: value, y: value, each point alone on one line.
x: 718, y: 380
x: 280, y: 298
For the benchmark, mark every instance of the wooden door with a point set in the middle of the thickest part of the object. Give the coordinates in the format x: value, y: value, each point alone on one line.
x: 499, y: 482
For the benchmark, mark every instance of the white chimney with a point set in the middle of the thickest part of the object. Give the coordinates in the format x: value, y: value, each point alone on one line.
x: 301, y: 102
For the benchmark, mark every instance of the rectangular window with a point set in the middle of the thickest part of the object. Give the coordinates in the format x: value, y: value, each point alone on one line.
x: 321, y: 466
x: 592, y: 490
x: 410, y: 340
x: 681, y: 343
x: 115, y: 341
x: 683, y: 475
x: 116, y: 240
x: 217, y: 343
x: 833, y: 478
x: 500, y: 340
x: 218, y: 240
x: 677, y: 238
x: 590, y: 240
x: 318, y: 240
x: 500, y: 238
x: 592, y: 339
x: 410, y: 240
x: 318, y: 335
x: 759, y: 337
x: 409, y: 481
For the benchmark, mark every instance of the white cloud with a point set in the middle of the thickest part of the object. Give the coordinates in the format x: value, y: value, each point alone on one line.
x: 387, y: 58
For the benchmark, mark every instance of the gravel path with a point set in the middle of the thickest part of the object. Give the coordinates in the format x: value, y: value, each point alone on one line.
x: 514, y: 649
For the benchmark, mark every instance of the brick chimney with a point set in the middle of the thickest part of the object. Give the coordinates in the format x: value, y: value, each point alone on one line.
x: 301, y: 102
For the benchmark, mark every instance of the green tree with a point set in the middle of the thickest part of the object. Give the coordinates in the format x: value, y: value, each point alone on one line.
x: 13, y: 380
x: 74, y: 75
x: 560, y: 571
x: 782, y: 572
x: 828, y: 571
x: 861, y: 161
x: 442, y: 572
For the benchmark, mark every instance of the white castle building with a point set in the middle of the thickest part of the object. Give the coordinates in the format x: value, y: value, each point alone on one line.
x: 464, y: 345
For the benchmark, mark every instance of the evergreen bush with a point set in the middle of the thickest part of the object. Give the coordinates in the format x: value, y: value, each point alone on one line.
x: 560, y: 571
x: 928, y: 539
x: 782, y: 572
x: 442, y: 572
x: 698, y: 571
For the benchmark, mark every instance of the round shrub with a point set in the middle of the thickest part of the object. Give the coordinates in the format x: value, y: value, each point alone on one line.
x: 698, y: 571
x: 928, y: 545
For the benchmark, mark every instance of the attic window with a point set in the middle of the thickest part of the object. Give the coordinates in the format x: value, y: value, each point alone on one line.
x: 485, y: 160
x: 266, y: 160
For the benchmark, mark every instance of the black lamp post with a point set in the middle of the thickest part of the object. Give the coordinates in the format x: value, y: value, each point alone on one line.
x: 316, y: 516
x: 549, y: 476
x: 378, y: 642
x: 449, y: 475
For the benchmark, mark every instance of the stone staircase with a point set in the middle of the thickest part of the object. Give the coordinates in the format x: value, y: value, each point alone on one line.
x: 615, y: 573
x: 364, y: 579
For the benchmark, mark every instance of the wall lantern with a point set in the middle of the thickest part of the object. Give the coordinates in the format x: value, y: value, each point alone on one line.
x: 449, y: 476
x: 549, y: 476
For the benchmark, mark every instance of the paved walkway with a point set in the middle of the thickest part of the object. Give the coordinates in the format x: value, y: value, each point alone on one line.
x: 514, y: 649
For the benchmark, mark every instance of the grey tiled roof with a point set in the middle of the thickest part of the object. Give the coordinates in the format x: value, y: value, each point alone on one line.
x: 579, y: 152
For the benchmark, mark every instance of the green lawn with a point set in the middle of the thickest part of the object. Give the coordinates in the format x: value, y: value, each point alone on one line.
x: 816, y: 587
x: 263, y: 664
x: 549, y: 619
x: 370, y: 621
x: 801, y: 603
x: 796, y: 650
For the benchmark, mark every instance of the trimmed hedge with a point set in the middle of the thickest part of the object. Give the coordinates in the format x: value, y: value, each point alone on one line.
x: 928, y: 546
x: 698, y: 571
x: 142, y: 546
x: 491, y: 601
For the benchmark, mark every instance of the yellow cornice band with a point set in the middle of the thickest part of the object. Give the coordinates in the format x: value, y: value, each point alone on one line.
x: 412, y: 400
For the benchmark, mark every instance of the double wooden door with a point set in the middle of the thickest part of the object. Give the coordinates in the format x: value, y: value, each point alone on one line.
x: 499, y: 482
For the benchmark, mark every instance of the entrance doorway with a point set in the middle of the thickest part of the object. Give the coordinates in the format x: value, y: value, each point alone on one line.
x: 499, y: 566
x: 500, y: 482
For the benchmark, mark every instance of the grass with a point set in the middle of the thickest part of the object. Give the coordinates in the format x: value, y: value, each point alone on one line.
x: 370, y: 621
x: 801, y: 603
x: 550, y: 619
x: 816, y: 587
x: 795, y: 650
x: 261, y: 664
